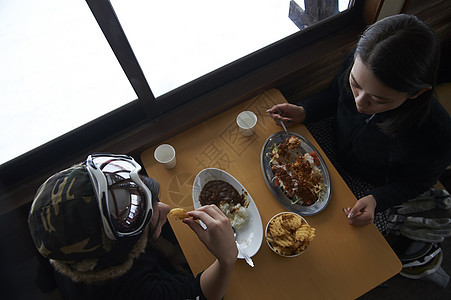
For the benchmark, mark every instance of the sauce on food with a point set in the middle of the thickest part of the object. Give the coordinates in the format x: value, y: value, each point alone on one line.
x: 297, y: 174
x: 218, y: 191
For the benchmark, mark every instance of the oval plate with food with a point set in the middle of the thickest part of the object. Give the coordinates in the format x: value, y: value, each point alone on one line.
x: 250, y: 234
x: 291, y: 203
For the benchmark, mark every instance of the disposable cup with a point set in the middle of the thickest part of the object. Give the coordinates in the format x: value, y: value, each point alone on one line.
x: 246, y: 121
x: 165, y: 154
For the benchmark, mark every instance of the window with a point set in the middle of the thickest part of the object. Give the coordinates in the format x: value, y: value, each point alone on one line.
x: 178, y: 41
x: 58, y: 58
x: 58, y: 73
x: 61, y: 73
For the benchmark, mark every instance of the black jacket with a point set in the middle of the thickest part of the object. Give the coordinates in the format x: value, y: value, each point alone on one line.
x: 147, y: 279
x: 401, y: 167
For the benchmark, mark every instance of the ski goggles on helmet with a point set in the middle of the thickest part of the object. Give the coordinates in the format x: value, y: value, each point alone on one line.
x: 125, y: 202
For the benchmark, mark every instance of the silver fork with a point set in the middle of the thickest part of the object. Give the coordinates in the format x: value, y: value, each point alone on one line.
x: 283, y: 125
x: 241, y: 250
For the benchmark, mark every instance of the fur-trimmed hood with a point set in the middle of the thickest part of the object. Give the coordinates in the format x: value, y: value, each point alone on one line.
x: 85, y: 272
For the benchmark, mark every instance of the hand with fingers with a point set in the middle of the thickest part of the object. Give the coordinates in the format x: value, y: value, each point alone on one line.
x: 363, y: 211
x: 218, y: 236
x: 219, y: 240
x: 290, y: 114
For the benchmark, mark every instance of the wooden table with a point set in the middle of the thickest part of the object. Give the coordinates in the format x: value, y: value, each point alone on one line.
x: 342, y: 262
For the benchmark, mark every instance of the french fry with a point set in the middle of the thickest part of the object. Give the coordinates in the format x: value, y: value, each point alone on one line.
x: 289, y: 234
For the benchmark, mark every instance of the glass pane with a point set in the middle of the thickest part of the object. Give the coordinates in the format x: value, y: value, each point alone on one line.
x: 58, y: 72
x: 178, y: 41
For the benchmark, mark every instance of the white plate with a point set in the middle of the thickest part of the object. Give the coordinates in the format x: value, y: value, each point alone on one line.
x: 250, y: 235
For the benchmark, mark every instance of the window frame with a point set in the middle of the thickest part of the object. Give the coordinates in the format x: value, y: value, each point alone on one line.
x: 97, y: 135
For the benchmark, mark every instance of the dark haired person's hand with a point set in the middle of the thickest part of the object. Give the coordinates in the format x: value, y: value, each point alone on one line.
x: 289, y: 114
x: 218, y: 237
x: 363, y: 211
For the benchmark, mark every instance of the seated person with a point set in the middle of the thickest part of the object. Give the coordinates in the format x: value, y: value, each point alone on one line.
x: 94, y: 222
x: 389, y: 137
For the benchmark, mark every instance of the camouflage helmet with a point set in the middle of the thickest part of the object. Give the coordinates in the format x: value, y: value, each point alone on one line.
x: 64, y: 219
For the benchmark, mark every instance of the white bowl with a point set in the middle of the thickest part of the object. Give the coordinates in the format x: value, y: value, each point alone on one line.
x: 266, y: 234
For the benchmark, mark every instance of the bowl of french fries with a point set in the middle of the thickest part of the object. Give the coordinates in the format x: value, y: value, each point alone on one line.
x: 288, y: 234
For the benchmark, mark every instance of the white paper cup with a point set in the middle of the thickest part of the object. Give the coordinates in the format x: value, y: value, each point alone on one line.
x: 165, y: 154
x: 246, y: 121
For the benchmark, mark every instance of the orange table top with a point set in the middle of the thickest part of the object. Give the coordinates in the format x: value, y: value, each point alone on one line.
x: 342, y: 262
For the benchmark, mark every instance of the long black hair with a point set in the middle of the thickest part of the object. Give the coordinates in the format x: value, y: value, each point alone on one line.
x: 403, y: 53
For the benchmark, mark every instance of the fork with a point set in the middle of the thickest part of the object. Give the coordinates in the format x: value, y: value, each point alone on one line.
x: 240, y: 249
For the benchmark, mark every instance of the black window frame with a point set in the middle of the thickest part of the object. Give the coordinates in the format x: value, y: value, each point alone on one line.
x: 147, y: 108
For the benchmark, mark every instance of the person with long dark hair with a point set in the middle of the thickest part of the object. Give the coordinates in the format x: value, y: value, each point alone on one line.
x: 379, y: 121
